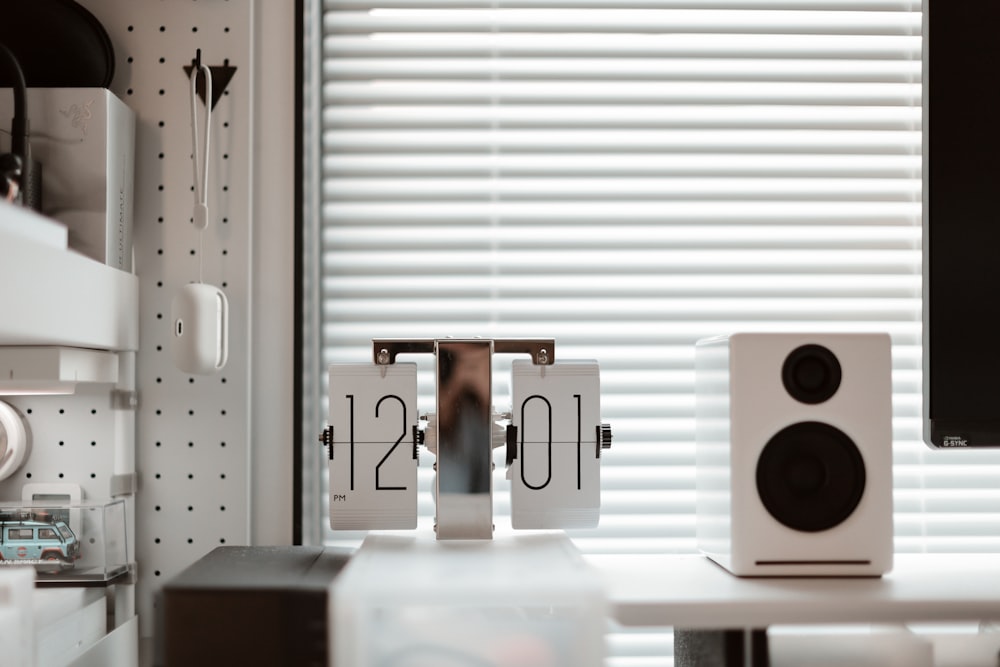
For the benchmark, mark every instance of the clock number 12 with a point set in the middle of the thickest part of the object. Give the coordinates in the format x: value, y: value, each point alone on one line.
x: 373, y: 480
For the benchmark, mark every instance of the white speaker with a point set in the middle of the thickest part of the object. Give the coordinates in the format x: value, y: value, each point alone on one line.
x: 794, y: 453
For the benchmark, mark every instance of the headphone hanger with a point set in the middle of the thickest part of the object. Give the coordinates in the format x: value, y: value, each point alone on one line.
x: 221, y: 76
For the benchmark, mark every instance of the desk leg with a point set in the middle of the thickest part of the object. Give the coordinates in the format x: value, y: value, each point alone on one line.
x: 720, y: 648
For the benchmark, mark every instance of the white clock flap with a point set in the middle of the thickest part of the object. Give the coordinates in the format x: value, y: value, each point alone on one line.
x: 373, y: 467
x: 555, y: 477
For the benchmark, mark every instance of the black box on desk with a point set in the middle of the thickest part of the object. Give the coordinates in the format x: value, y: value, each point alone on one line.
x: 250, y: 606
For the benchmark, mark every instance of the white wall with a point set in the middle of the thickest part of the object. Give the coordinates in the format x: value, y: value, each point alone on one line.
x: 272, y: 320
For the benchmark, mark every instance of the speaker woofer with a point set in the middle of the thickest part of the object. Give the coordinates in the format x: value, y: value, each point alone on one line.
x: 810, y: 476
x: 811, y: 374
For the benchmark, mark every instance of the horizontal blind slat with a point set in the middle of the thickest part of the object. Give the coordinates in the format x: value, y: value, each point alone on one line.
x: 583, y: 20
x: 654, y: 69
x: 887, y: 47
x: 343, y: 118
x: 413, y: 91
x: 720, y: 162
x: 868, y: 5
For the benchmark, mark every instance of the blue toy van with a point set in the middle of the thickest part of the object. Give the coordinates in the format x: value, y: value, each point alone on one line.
x: 38, y: 539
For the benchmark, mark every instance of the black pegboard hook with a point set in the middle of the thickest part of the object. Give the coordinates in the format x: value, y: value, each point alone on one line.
x: 221, y: 76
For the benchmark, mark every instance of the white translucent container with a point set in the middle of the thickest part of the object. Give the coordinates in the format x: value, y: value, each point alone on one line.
x: 523, y: 601
x: 17, y: 627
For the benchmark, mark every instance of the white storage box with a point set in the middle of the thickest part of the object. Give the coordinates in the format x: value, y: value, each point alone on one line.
x: 417, y: 602
x: 84, y: 140
x: 17, y: 626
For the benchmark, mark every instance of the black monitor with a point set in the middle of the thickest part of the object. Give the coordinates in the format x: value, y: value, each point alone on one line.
x: 961, y: 223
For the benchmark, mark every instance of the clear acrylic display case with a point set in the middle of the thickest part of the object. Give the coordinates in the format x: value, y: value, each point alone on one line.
x: 68, y: 544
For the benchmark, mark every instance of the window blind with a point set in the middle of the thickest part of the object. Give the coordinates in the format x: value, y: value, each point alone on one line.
x: 628, y: 177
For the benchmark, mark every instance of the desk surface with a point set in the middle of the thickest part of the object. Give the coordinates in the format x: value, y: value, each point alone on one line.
x: 690, y: 591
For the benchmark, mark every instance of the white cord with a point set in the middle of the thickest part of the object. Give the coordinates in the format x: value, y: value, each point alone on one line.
x: 201, y: 161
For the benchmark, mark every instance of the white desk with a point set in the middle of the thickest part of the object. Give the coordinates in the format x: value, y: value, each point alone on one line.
x: 691, y: 592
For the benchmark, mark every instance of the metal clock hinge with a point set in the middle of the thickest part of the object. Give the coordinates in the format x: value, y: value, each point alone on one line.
x: 326, y: 438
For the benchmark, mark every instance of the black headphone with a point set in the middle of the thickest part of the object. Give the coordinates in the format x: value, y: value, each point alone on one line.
x: 15, y: 167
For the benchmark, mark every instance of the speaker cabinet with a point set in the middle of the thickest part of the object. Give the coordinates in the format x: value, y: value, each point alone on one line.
x: 794, y: 453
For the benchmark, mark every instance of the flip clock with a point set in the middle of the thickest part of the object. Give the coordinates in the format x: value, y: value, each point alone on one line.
x: 553, y: 438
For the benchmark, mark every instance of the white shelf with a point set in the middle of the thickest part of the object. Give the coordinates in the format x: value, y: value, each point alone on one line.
x: 53, y: 296
x: 691, y: 592
x: 29, y: 370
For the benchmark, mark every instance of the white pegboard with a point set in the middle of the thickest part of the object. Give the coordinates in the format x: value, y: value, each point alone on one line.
x: 192, y: 441
x: 192, y: 446
x: 73, y: 440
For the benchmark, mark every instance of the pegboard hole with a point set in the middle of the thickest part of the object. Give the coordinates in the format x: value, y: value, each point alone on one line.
x: 156, y: 540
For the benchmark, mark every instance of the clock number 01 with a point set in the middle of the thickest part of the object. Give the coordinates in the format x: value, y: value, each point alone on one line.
x: 579, y: 439
x: 378, y: 484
